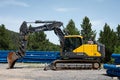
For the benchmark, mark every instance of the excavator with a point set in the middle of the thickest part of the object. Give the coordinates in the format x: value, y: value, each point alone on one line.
x: 74, y: 54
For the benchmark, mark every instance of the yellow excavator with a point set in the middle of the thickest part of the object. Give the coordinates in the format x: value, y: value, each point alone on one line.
x: 74, y: 53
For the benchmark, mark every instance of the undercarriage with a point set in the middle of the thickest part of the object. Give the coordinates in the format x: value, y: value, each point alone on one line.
x: 73, y: 64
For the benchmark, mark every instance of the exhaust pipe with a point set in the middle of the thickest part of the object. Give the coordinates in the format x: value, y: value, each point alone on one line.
x: 11, y: 59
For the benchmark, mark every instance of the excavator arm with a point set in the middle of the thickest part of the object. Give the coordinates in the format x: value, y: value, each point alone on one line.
x: 24, y: 33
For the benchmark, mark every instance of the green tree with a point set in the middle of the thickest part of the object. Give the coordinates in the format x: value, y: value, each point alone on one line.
x: 108, y: 37
x: 87, y: 31
x: 13, y: 40
x: 117, y: 47
x: 72, y: 30
x: 118, y: 35
x: 117, y: 50
x: 38, y: 41
x: 4, y: 38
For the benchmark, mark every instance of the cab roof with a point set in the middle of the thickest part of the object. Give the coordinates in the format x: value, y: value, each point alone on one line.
x: 73, y: 36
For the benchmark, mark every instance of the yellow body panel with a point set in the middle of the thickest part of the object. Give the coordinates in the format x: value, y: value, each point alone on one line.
x: 89, y: 49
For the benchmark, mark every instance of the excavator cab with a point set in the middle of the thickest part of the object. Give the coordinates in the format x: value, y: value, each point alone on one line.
x: 74, y: 48
x: 71, y: 42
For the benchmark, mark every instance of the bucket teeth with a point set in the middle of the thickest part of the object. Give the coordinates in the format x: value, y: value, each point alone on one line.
x: 11, y: 59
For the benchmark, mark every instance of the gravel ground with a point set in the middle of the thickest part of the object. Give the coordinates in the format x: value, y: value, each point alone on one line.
x: 29, y: 71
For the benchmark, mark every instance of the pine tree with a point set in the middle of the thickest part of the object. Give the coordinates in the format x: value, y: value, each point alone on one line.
x: 72, y: 30
x: 118, y: 34
x: 87, y: 31
x: 4, y: 38
x: 108, y: 37
x: 117, y: 47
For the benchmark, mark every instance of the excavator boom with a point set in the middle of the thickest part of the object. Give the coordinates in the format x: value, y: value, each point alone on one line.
x: 24, y: 33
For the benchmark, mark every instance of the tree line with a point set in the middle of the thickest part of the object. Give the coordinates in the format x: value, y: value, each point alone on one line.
x: 38, y: 41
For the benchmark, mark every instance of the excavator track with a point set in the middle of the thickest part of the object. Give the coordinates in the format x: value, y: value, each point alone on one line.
x: 75, y: 64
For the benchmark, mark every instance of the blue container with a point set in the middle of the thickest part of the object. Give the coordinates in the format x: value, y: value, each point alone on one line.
x: 115, y: 55
x: 111, y: 66
x: 112, y: 72
x: 117, y: 61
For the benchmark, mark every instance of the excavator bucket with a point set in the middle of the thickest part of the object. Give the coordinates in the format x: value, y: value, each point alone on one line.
x: 11, y: 59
